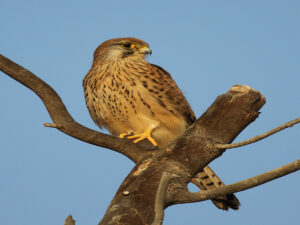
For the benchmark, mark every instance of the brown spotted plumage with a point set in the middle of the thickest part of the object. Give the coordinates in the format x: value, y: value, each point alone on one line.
x: 138, y: 100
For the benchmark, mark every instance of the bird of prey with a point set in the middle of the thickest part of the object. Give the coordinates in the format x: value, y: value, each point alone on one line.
x: 135, y: 99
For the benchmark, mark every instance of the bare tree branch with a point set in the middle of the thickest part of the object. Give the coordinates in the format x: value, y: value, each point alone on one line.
x: 63, y: 121
x: 185, y: 157
x: 148, y: 189
x: 184, y: 196
x: 161, y: 197
x: 258, y: 137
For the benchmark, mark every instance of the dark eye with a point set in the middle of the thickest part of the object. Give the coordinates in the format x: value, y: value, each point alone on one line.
x: 127, y: 45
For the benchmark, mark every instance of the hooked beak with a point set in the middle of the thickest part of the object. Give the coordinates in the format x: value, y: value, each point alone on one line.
x: 145, y: 50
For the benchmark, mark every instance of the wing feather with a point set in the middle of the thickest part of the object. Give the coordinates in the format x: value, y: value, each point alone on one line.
x: 172, y: 95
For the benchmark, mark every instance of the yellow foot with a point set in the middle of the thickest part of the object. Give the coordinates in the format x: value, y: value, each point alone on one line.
x: 123, y: 135
x: 143, y: 136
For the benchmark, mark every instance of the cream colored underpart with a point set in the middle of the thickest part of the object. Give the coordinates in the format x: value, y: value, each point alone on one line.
x: 165, y: 126
x: 162, y: 132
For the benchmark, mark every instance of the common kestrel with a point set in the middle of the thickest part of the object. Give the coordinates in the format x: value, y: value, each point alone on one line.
x: 138, y: 100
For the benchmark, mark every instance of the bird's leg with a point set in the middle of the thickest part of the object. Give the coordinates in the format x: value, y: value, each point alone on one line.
x: 143, y: 136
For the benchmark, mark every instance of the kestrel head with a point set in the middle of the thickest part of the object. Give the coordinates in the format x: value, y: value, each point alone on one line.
x: 120, y: 48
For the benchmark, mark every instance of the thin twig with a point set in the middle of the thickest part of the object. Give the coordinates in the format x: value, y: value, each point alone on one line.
x: 259, y: 137
x: 187, y: 197
x: 160, y: 198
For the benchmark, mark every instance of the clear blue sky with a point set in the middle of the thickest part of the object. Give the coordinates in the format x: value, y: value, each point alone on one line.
x: 207, y: 46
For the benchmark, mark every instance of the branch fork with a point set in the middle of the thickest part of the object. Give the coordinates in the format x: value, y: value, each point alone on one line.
x: 160, y: 177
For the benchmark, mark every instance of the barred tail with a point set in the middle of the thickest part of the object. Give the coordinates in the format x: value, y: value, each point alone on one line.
x: 207, y: 179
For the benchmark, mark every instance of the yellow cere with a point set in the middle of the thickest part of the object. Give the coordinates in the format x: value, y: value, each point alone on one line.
x: 143, y: 47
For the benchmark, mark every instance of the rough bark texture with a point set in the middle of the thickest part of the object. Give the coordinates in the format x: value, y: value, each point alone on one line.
x: 160, y: 177
x: 221, y: 123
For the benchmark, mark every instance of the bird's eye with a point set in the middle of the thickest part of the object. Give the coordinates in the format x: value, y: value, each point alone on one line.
x: 127, y: 45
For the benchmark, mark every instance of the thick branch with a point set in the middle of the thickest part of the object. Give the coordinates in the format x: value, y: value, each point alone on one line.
x: 61, y: 117
x: 185, y: 157
x: 221, y: 123
x: 145, y: 191
x: 258, y: 137
x: 184, y: 196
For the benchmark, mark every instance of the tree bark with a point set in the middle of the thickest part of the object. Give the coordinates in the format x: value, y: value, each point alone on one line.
x: 160, y: 176
x: 134, y: 202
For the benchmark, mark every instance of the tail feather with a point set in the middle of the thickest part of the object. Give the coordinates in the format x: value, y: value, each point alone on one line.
x: 207, y: 179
